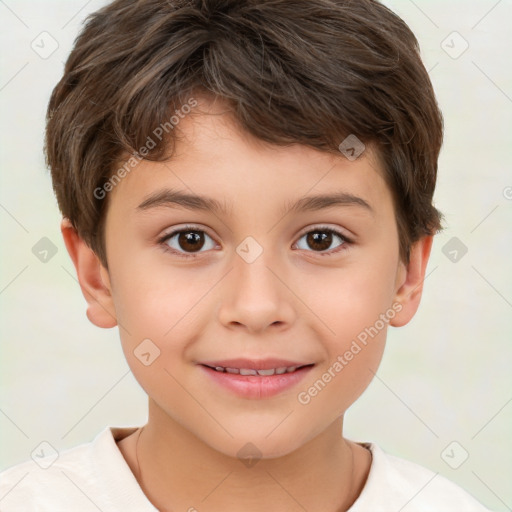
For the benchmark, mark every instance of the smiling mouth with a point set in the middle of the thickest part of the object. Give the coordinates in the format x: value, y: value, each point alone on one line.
x: 255, y: 372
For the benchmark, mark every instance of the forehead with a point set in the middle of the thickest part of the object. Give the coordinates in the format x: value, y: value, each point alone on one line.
x: 213, y: 158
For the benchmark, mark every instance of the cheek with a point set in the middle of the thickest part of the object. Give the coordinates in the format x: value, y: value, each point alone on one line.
x: 159, y: 320
x: 155, y: 312
x: 164, y: 311
x: 154, y: 302
x: 350, y: 299
x: 357, y: 321
x: 355, y: 304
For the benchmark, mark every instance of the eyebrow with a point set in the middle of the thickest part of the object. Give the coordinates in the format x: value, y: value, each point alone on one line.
x: 176, y: 198
x: 169, y: 198
x: 320, y: 202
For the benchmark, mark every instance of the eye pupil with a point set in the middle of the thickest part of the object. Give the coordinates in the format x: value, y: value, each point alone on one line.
x: 320, y: 240
x: 191, y: 240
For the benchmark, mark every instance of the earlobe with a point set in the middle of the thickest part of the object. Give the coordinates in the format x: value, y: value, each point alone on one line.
x: 410, y: 281
x: 92, y: 276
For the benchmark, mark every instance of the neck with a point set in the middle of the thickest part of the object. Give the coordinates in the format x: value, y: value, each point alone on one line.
x: 178, y: 471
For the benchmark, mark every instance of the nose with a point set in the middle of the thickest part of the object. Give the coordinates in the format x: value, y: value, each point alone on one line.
x: 255, y: 296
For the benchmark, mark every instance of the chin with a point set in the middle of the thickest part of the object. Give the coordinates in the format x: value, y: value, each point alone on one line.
x: 257, y: 444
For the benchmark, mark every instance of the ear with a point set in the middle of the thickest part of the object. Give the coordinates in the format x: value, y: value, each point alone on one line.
x: 409, y: 285
x: 92, y: 276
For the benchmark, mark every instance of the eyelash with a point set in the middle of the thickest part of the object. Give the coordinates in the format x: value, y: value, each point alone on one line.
x: 318, y: 229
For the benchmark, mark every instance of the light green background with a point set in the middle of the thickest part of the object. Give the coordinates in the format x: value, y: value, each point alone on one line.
x: 445, y: 377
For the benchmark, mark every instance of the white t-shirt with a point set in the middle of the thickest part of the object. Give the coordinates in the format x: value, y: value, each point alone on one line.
x: 95, y: 477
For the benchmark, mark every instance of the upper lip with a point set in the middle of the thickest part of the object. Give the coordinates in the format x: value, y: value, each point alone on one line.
x: 254, y: 364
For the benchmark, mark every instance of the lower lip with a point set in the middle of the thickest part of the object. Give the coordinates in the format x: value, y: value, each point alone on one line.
x: 254, y: 386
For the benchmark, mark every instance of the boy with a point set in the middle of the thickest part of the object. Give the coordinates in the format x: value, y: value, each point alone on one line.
x: 247, y: 193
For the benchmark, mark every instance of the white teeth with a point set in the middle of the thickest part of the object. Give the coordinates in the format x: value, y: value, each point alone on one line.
x: 250, y: 371
x: 267, y: 372
x: 246, y: 371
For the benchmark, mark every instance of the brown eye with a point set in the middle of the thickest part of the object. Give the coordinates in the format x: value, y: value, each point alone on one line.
x: 321, y: 240
x: 188, y: 241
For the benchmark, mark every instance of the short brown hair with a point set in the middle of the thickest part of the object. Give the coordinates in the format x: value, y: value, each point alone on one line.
x: 294, y: 71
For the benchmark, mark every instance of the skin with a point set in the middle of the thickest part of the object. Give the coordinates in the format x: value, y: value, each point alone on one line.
x: 292, y: 302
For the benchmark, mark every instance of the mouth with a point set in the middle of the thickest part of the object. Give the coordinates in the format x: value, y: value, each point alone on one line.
x: 256, y: 379
x: 258, y: 372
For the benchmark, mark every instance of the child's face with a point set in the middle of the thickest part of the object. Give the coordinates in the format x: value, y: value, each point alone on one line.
x: 290, y: 302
